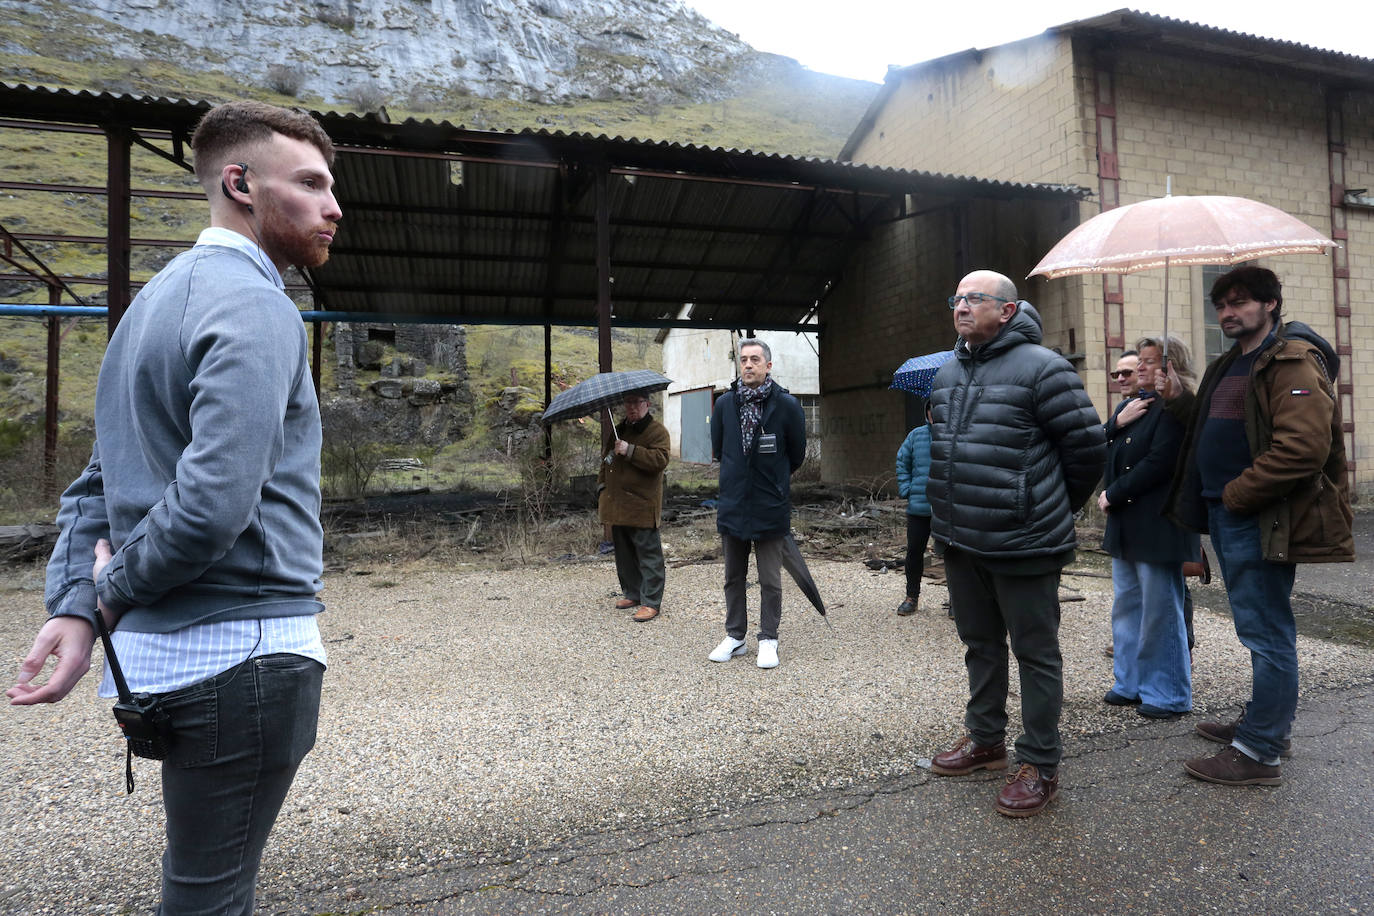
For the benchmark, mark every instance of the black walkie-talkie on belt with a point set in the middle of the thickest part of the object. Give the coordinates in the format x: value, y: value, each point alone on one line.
x: 146, y: 726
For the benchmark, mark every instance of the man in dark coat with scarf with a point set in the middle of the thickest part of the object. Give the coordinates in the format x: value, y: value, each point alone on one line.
x: 630, y: 500
x: 1016, y: 449
x: 758, y: 434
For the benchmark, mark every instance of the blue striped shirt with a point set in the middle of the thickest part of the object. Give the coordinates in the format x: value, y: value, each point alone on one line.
x: 161, y: 662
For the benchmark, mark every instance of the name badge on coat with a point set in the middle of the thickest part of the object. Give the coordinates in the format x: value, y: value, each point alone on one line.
x: 768, y: 444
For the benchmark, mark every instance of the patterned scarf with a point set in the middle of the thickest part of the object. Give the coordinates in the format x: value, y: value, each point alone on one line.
x: 751, y: 409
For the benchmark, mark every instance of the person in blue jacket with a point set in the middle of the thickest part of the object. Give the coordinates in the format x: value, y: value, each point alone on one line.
x: 758, y: 434
x: 913, y: 469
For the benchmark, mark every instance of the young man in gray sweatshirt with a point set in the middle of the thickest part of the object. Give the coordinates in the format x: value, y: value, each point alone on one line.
x: 195, y: 528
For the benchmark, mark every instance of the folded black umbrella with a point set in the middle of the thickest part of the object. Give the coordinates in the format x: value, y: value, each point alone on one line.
x: 796, y: 567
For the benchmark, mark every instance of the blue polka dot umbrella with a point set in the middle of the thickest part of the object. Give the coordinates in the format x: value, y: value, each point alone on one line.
x: 916, y: 374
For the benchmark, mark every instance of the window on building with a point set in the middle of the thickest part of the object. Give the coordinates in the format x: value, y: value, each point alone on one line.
x: 1215, y: 342
x: 811, y: 408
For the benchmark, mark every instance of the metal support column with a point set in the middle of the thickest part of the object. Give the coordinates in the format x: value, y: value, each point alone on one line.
x: 603, y: 267
x: 1340, y: 275
x: 117, y: 223
x: 548, y: 388
x: 316, y: 353
x: 50, y: 395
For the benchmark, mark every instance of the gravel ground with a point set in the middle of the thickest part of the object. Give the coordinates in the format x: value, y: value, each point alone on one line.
x: 471, y: 713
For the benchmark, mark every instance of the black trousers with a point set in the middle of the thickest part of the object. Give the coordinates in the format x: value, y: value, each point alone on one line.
x: 639, y: 564
x: 917, y: 536
x: 989, y: 607
x: 768, y: 559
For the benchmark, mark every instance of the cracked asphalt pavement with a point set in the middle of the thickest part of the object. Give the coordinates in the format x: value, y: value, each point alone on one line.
x: 504, y: 741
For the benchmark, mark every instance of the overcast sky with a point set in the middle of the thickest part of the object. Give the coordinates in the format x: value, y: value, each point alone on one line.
x: 859, y: 38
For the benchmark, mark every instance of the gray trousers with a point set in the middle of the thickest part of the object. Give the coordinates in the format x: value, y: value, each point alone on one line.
x: 989, y: 607
x: 639, y: 564
x: 768, y: 559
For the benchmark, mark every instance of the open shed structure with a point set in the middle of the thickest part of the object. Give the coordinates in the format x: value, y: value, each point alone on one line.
x: 443, y: 224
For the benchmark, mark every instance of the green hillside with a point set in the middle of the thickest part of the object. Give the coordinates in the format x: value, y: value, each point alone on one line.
x: 776, y: 106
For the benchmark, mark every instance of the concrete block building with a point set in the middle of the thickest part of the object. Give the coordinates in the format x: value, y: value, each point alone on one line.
x: 1125, y: 105
x: 702, y: 365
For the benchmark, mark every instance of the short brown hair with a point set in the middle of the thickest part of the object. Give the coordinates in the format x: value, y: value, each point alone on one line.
x: 228, y: 128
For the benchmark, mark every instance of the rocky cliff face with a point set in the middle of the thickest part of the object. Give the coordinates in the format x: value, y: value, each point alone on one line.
x: 540, y: 50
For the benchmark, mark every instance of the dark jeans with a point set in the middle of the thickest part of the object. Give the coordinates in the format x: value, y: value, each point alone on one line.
x: 639, y: 564
x: 239, y: 738
x: 989, y: 607
x: 768, y: 559
x: 1261, y: 606
x: 917, y: 536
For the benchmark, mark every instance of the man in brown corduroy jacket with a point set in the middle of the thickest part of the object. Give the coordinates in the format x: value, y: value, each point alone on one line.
x: 630, y: 491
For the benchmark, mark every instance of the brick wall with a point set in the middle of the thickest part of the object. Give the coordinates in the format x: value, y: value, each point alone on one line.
x: 890, y: 305
x: 1008, y: 113
x: 1026, y: 112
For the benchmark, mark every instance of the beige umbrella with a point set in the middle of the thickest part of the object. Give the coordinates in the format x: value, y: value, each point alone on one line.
x: 1180, y: 230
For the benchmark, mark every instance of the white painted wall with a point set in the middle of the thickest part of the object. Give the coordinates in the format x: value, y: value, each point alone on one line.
x: 696, y: 359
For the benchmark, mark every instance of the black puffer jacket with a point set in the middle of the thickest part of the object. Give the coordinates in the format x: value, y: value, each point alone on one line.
x: 1016, y: 446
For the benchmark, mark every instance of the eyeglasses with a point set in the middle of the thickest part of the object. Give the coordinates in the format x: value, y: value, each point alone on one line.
x: 1122, y: 373
x: 974, y: 299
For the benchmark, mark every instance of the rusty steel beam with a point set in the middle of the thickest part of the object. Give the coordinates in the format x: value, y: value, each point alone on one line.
x: 603, y: 267
x: 119, y: 147
x: 97, y: 191
x: 50, y: 396
x: 98, y: 240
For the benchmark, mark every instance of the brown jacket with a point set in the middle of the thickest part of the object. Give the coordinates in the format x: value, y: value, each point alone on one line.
x: 1296, y: 487
x: 631, y: 487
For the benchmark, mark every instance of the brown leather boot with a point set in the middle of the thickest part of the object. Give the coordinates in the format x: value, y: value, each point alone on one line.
x: 965, y: 757
x: 1027, y: 792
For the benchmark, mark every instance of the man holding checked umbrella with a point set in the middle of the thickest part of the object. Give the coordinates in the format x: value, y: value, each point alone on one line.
x: 630, y: 499
x: 758, y: 434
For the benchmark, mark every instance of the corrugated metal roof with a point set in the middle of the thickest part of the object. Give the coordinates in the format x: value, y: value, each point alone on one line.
x: 470, y: 226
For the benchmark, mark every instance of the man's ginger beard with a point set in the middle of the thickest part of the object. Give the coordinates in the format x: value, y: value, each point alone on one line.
x: 282, y: 240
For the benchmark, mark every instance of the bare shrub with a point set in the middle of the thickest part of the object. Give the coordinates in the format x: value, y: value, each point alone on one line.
x: 23, y: 495
x: 286, y: 79
x: 366, y: 96
x: 349, y: 456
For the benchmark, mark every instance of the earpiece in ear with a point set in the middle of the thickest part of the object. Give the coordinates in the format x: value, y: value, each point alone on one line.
x: 241, y: 184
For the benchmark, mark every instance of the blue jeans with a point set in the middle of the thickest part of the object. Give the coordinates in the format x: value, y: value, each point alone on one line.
x: 1150, y: 657
x: 1260, y: 593
x: 238, y: 739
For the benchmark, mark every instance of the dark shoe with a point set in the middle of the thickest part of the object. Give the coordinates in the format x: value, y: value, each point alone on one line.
x: 907, y: 607
x: 1157, y: 712
x: 1027, y: 792
x: 1115, y: 699
x: 1232, y: 768
x: 1109, y: 651
x: 624, y: 604
x: 1225, y: 733
x: 965, y: 757
x: 605, y: 547
x: 645, y: 614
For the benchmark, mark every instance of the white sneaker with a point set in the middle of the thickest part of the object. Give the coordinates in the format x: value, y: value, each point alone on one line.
x: 729, y: 647
x: 768, y: 653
